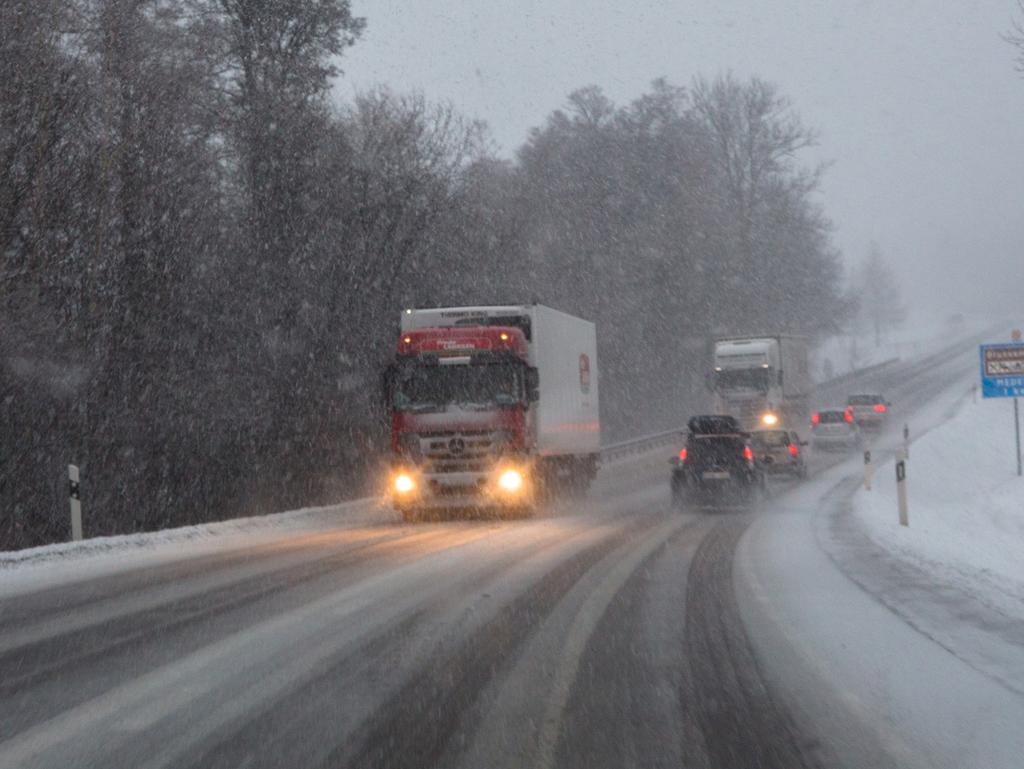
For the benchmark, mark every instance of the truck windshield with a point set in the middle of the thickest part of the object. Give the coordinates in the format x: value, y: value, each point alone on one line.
x: 743, y: 379
x: 435, y: 388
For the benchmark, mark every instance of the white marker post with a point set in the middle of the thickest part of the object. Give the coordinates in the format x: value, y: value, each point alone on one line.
x: 867, y: 470
x: 906, y: 441
x: 901, y: 486
x: 76, y: 503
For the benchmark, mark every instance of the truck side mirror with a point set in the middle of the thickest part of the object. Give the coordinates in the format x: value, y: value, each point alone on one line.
x: 532, y: 385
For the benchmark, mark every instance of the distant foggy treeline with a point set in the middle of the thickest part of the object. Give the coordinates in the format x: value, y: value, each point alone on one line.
x: 202, y: 257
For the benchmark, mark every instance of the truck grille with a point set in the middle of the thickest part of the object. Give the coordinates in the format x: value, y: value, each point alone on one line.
x: 464, y: 451
x: 462, y: 445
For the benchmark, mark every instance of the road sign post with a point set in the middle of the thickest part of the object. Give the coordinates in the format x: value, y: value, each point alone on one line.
x: 867, y: 470
x: 76, y: 503
x: 901, y: 487
x: 1002, y: 376
x: 1016, y: 430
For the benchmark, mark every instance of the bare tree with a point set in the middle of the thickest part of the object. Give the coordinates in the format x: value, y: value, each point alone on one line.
x: 752, y: 136
x: 1015, y: 36
x: 878, y: 291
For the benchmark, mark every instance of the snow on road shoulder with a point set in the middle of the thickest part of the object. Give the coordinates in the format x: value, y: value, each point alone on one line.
x: 966, y: 504
x: 49, y: 565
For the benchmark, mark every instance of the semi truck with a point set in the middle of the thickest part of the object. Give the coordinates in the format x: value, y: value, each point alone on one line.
x: 763, y: 381
x: 491, y: 407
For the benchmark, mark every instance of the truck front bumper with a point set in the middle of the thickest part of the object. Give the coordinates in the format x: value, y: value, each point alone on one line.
x: 505, y: 486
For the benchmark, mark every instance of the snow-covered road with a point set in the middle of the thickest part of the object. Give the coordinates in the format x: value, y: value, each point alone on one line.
x: 607, y: 632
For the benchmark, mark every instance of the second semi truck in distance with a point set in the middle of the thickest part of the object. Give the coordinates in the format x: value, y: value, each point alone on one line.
x: 491, y: 407
x: 763, y: 381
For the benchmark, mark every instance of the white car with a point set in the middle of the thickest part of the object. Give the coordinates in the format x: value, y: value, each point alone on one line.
x: 835, y: 429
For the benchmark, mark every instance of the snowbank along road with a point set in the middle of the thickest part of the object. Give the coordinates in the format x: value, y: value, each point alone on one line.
x: 608, y: 632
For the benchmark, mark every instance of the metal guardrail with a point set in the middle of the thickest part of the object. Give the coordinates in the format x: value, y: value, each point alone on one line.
x: 644, y: 443
x: 856, y: 374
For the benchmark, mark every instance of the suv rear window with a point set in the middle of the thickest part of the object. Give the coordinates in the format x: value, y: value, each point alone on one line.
x: 831, y: 417
x: 864, y: 400
x: 714, y: 424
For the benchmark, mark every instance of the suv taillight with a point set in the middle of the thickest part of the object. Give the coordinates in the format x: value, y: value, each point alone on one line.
x: 879, y: 407
x: 682, y: 455
x: 794, y: 449
x: 748, y: 453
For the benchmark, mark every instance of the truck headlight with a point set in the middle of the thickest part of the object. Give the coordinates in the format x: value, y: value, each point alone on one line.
x: 770, y: 419
x: 510, y: 480
x: 404, y: 483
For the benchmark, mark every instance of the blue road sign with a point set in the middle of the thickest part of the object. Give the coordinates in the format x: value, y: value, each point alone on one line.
x: 1002, y: 370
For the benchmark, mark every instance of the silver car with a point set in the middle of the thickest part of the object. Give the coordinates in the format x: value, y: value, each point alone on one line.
x: 835, y: 429
x: 870, y: 410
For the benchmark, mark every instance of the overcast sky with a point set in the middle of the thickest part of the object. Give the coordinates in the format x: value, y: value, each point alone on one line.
x: 917, y: 103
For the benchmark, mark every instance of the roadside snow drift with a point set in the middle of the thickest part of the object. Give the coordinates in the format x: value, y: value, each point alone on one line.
x: 966, y: 503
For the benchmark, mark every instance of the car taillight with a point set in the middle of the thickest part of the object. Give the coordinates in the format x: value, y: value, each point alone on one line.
x: 682, y: 455
x: 879, y: 407
x: 847, y: 416
x: 794, y: 449
x: 748, y: 453
x: 815, y: 418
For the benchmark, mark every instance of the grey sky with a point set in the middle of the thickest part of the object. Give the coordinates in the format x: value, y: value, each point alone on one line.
x: 917, y: 103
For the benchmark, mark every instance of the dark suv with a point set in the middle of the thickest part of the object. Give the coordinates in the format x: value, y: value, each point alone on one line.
x: 716, y: 467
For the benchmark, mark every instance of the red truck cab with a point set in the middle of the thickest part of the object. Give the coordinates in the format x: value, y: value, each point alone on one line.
x: 460, y: 401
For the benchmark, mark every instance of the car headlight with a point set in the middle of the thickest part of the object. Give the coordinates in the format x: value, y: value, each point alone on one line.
x: 404, y: 483
x: 770, y: 419
x: 510, y: 480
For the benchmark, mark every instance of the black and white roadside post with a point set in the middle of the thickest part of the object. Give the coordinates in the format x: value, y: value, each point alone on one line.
x: 76, y: 503
x: 901, y: 486
x: 1002, y: 376
x: 906, y: 441
x: 867, y: 470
